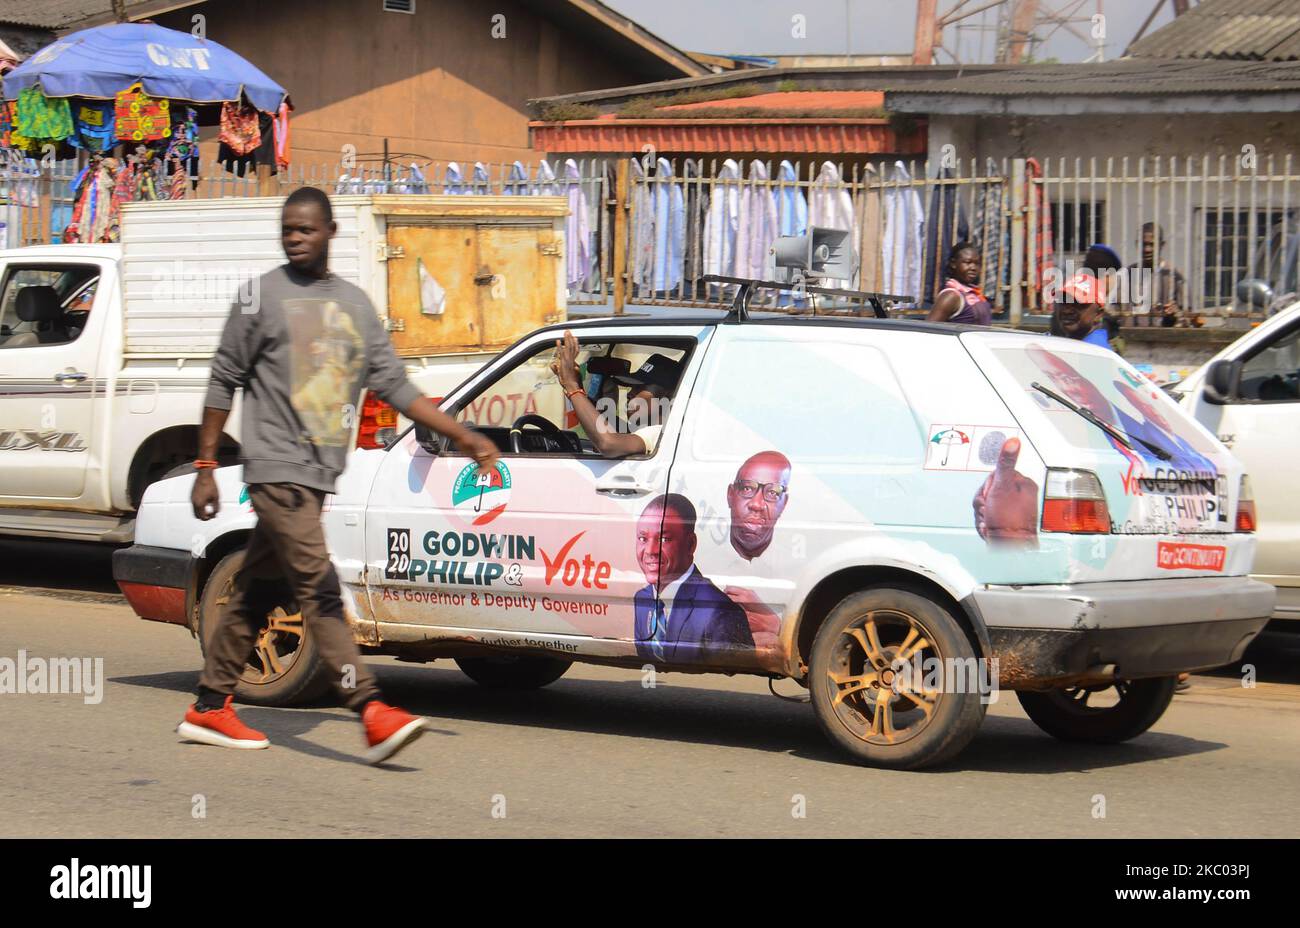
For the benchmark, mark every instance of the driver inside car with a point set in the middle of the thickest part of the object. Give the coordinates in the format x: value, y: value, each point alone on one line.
x: 650, y: 391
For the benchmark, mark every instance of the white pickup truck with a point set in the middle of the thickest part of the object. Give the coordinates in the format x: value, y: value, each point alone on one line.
x: 104, y: 349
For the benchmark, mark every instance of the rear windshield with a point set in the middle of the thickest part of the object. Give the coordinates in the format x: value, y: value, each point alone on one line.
x: 1117, y: 396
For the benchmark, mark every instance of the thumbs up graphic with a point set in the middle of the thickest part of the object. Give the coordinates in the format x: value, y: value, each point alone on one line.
x: 1006, y: 505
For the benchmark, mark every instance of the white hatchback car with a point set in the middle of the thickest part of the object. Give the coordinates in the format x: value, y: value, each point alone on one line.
x: 900, y: 516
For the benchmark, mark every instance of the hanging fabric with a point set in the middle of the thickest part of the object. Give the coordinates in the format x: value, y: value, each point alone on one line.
x: 453, y: 183
x: 696, y: 200
x: 1043, y: 234
x: 642, y: 228
x: 6, y: 122
x: 904, y: 218
x: 756, y: 226
x: 577, y: 228
x: 517, y: 183
x: 945, y: 225
x: 240, y: 129
x: 990, y: 207
x: 721, y: 221
x: 280, y: 131
x: 871, y: 231
x: 42, y: 119
x: 546, y: 185
x: 141, y: 118
x: 830, y: 206
x: 668, y: 209
x: 95, y: 126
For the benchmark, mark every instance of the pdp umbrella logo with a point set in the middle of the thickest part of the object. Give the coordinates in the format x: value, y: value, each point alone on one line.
x: 481, y: 498
x: 948, y: 439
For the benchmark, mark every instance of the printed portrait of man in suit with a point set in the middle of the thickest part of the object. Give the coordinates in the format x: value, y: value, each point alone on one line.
x: 681, y: 616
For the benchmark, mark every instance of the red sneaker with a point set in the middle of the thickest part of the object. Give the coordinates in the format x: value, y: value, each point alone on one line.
x: 220, y: 727
x: 388, y: 729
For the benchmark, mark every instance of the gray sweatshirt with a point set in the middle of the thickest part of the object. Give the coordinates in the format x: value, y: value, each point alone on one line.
x: 302, y: 356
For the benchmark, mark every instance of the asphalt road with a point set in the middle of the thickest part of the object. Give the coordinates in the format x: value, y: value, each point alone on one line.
x: 595, y: 754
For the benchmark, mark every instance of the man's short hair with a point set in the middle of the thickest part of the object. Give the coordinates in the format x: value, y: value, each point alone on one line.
x: 314, y: 196
x: 679, y: 504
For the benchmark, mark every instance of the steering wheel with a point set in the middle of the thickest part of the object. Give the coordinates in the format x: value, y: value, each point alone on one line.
x: 549, y: 428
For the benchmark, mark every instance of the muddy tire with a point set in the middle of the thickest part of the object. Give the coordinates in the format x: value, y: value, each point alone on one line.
x: 284, y: 668
x: 513, y: 671
x: 1066, y: 714
x: 880, y: 717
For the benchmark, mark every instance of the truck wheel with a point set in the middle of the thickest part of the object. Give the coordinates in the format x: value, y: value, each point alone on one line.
x: 872, y: 680
x: 284, y: 668
x: 513, y: 672
x: 1073, y: 714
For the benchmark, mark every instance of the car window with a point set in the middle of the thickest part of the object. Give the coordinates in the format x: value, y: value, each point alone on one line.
x: 529, y: 393
x: 64, y: 299
x: 1273, y: 374
x: 824, y: 401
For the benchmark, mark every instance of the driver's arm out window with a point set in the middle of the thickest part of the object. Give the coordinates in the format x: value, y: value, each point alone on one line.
x: 529, y: 388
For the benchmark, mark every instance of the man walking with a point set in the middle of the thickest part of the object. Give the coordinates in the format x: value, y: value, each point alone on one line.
x: 302, y: 356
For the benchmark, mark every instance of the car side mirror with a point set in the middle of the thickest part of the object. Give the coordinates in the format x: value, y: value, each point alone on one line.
x: 428, y: 439
x: 1221, y: 382
x: 1255, y: 292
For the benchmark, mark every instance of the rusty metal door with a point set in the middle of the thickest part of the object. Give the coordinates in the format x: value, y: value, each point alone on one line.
x: 449, y: 255
x: 520, y: 269
x: 496, y: 283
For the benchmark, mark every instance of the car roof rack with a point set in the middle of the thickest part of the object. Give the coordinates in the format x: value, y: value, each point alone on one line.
x: 739, y: 311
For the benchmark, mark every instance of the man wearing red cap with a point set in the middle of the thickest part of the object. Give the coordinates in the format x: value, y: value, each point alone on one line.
x: 1079, y: 310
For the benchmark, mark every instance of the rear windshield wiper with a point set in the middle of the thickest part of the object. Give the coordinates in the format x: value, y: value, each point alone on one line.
x: 1105, y: 426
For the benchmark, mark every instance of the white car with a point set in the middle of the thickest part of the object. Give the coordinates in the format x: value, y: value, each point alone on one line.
x: 901, y: 516
x: 1249, y: 396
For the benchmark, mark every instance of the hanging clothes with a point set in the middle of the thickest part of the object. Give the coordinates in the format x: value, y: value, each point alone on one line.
x: 517, y: 183
x: 242, y: 164
x: 482, y: 181
x: 871, y: 274
x: 830, y: 206
x: 722, y: 220
x: 546, y: 185
x: 669, y: 212
x: 418, y: 183
x: 241, y: 130
x: 40, y: 120
x: 280, y: 132
x: 756, y: 225
x: 452, y: 181
x: 696, y: 205
x: 791, y: 204
x: 642, y: 228
x: 6, y: 123
x: 945, y: 225
x: 577, y: 228
x: 904, y: 219
x: 142, y: 118
x: 992, y: 204
x: 95, y: 126
x: 1043, y: 246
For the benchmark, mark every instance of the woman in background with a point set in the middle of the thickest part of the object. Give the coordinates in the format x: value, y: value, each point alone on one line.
x: 960, y: 300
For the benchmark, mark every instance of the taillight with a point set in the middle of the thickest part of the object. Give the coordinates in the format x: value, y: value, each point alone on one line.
x: 1245, y: 506
x: 1074, y: 502
x: 378, y: 423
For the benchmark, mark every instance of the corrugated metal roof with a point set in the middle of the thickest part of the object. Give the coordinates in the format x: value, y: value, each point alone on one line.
x: 835, y: 136
x: 1123, y: 77
x: 1251, y: 30
x: 52, y: 14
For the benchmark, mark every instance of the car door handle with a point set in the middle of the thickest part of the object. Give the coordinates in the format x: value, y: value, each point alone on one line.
x: 74, y: 376
x: 623, y: 485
